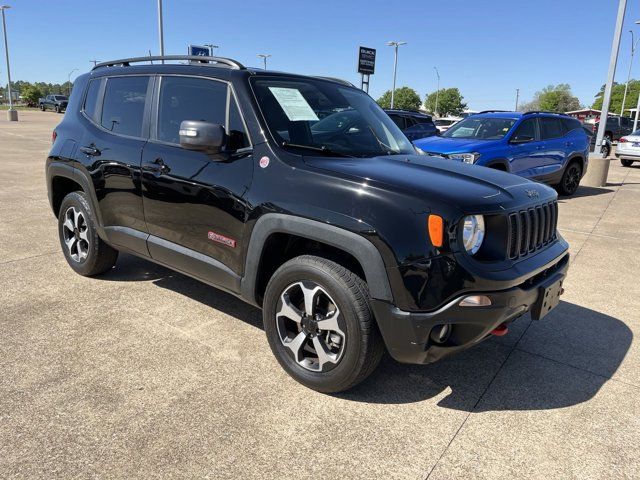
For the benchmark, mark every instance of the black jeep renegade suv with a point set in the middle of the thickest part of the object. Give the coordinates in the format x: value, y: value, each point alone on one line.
x: 300, y: 196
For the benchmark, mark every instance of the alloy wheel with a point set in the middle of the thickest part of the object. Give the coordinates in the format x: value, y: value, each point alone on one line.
x: 572, y: 179
x: 75, y: 233
x: 307, y: 321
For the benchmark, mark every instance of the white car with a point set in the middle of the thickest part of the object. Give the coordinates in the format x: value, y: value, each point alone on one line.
x: 628, y: 149
x: 443, y: 124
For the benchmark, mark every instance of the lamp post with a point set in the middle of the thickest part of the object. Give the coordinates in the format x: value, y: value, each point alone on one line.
x: 635, y: 120
x: 626, y: 85
x: 517, y: 98
x: 69, y: 81
x: 599, y: 168
x: 160, y: 29
x: 264, y: 57
x: 211, y: 47
x: 395, y: 45
x: 437, y: 90
x: 12, y: 115
x: 95, y: 62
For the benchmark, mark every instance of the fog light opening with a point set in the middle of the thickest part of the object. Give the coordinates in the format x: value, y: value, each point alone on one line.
x: 475, y: 301
x: 440, y: 333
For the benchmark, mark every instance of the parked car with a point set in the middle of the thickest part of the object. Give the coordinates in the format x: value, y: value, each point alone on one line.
x: 414, y: 125
x: 628, y: 149
x: 606, y: 143
x: 545, y: 147
x: 54, y: 102
x: 348, y: 240
x: 616, y: 127
x: 444, y: 123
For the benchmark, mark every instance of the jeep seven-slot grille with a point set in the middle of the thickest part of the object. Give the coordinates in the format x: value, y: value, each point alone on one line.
x: 532, y: 229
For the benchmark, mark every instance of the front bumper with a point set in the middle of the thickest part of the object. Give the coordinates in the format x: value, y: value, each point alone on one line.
x: 407, y: 334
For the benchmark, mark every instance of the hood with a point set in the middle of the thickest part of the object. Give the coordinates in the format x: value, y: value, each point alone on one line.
x: 471, y: 188
x: 451, y: 145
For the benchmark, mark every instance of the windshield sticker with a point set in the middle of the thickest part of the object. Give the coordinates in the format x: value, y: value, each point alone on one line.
x: 294, y: 104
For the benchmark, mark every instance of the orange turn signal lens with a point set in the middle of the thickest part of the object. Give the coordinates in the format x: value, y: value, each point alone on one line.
x: 436, y: 230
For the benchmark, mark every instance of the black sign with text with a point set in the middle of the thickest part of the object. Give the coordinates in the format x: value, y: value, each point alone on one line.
x: 367, y: 60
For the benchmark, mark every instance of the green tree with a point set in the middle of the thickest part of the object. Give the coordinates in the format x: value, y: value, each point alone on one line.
x: 405, y: 98
x: 616, y: 97
x: 554, y: 98
x: 450, y: 102
x: 31, y: 94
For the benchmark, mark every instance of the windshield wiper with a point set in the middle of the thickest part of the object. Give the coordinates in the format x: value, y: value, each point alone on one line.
x: 322, y: 149
x: 386, y: 148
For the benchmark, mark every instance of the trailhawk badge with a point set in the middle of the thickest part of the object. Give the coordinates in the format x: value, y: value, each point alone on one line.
x: 216, y: 237
x: 532, y: 193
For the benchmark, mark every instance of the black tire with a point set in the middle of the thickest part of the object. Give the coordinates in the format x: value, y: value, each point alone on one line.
x: 606, y: 150
x: 361, y: 347
x: 57, y: 109
x: 91, y: 256
x: 42, y: 107
x: 570, y: 179
x: 626, y: 163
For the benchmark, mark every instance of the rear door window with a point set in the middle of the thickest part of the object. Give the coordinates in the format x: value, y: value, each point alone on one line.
x: 123, y: 106
x: 571, y: 124
x: 550, y: 128
x: 398, y: 120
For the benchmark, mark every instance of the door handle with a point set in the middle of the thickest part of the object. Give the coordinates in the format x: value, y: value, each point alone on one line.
x: 158, y: 167
x: 90, y: 150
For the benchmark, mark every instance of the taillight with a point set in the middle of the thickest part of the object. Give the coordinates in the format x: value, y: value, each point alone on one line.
x: 54, y: 135
x: 622, y: 140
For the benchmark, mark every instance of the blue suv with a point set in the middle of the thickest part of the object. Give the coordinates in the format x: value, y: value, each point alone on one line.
x: 547, y: 147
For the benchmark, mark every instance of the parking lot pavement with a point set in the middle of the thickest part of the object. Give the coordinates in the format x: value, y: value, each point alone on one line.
x: 146, y: 373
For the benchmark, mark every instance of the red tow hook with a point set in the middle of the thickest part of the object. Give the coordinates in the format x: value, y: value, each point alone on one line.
x: 501, y: 331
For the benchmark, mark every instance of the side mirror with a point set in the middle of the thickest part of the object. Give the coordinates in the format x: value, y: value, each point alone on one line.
x: 202, y: 136
x: 522, y: 139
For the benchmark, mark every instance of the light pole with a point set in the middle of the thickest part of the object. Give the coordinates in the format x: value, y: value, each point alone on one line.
x: 600, y: 167
x: 517, y: 98
x: 437, y: 90
x: 95, y: 62
x: 626, y: 86
x: 160, y: 29
x: 395, y: 45
x: 264, y: 57
x: 12, y: 115
x: 635, y: 120
x: 211, y: 47
x: 69, y: 81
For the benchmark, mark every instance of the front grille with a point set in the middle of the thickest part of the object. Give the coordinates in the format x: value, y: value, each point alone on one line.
x: 532, y: 229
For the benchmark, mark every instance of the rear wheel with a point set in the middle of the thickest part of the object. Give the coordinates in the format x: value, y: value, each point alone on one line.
x: 570, y: 179
x: 84, y: 250
x: 626, y: 163
x: 606, y: 150
x: 319, y: 324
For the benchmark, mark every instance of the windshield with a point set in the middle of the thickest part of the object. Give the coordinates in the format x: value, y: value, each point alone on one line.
x: 328, y: 118
x: 481, y: 128
x: 60, y: 97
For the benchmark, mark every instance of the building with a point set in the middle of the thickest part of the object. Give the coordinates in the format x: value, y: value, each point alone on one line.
x: 587, y: 114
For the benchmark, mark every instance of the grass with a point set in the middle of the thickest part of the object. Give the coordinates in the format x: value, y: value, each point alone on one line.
x: 17, y: 107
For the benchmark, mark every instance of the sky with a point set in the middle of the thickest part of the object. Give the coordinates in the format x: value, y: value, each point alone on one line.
x: 486, y: 48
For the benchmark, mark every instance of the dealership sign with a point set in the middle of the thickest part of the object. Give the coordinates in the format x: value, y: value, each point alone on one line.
x: 366, y: 60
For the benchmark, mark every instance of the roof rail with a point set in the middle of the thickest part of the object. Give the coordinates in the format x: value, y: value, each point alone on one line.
x: 217, y: 61
x: 490, y: 111
x: 544, y: 111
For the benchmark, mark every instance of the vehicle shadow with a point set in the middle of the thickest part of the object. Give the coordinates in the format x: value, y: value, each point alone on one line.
x: 587, y: 192
x: 560, y: 361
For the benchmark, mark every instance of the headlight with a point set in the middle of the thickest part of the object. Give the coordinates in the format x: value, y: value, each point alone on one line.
x: 473, y: 233
x: 465, y: 157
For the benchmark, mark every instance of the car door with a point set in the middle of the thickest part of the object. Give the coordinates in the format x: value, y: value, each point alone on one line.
x: 193, y: 201
x: 525, y: 148
x: 115, y: 113
x: 556, y: 146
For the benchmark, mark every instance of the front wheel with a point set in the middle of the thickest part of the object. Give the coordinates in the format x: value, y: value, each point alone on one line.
x: 319, y: 324
x: 606, y: 150
x: 57, y: 109
x: 626, y: 163
x: 42, y: 107
x: 570, y: 179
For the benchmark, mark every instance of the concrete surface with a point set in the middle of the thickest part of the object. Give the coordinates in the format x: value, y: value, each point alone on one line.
x: 144, y: 373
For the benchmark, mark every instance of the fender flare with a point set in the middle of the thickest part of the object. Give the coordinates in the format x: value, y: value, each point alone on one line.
x: 499, y: 161
x: 362, y: 250
x: 58, y: 169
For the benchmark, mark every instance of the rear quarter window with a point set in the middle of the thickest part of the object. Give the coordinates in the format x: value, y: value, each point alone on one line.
x: 91, y: 103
